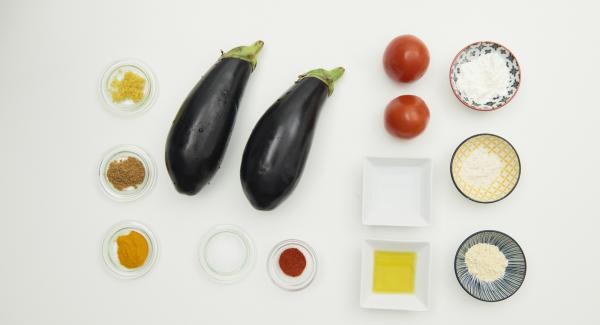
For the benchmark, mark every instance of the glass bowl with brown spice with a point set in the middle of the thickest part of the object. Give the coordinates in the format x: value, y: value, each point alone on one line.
x: 128, y: 87
x: 130, y: 249
x: 126, y: 173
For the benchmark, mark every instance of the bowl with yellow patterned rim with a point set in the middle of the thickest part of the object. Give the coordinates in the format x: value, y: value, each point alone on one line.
x: 485, y: 168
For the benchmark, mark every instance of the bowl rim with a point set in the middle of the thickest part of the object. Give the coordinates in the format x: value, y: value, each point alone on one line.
x: 501, y: 233
x: 453, y: 87
x: 518, y: 160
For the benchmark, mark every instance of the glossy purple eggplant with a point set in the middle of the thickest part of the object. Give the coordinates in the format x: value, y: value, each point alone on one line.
x: 201, y: 130
x: 278, y: 147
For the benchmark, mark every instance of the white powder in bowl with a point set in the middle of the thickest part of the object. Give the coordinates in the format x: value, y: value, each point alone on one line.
x: 225, y: 253
x: 481, y: 168
x: 486, y: 262
x: 484, y: 78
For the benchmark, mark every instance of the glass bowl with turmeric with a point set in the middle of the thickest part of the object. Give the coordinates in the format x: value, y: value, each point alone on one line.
x: 129, y: 250
x: 128, y: 87
x: 126, y: 173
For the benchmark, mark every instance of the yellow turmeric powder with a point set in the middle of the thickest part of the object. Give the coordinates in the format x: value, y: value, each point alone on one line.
x: 132, y: 250
x: 130, y: 87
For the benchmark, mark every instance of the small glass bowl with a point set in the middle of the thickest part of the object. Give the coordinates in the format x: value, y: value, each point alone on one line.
x: 285, y: 281
x: 119, y: 153
x: 109, y: 250
x: 237, y: 268
x: 128, y: 107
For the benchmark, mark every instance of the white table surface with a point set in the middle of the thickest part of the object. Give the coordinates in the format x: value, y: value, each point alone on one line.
x: 53, y: 131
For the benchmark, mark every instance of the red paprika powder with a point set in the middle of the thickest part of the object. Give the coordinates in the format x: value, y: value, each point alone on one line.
x: 292, y: 262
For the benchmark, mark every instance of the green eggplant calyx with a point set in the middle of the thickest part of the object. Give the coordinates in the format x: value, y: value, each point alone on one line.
x: 329, y: 77
x: 246, y: 53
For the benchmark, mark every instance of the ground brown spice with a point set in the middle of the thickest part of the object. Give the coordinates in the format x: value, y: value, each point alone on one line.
x: 125, y: 173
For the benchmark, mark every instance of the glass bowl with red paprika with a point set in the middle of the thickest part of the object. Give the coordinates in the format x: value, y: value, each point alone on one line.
x: 292, y: 264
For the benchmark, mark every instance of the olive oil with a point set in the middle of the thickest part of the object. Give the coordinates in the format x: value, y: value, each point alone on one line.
x: 394, y: 272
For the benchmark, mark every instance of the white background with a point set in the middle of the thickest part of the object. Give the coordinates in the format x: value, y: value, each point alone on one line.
x: 54, y: 130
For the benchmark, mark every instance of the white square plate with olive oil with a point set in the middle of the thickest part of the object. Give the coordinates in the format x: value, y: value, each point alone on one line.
x: 395, y: 275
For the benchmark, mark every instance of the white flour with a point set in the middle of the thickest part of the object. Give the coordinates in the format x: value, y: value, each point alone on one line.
x: 484, y: 78
x: 486, y: 262
x: 481, y: 168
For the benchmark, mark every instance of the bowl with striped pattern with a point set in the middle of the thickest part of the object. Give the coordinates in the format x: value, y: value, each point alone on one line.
x: 499, y: 289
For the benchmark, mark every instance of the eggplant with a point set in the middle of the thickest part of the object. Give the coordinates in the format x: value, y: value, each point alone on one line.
x: 278, y: 147
x: 201, y: 130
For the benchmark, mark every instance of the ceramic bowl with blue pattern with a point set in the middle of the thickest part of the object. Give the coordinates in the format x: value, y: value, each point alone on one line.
x: 459, y: 73
x: 502, y: 288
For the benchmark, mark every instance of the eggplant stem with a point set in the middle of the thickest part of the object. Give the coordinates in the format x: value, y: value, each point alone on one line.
x: 329, y: 77
x: 246, y: 53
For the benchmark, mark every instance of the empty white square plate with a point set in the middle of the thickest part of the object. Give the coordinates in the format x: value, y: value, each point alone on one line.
x: 417, y: 301
x: 396, y: 192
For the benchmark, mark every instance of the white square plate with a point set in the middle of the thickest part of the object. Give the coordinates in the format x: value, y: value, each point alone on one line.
x: 396, y: 192
x: 419, y: 300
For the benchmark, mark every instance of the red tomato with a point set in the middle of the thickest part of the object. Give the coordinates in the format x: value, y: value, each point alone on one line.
x: 406, y: 58
x: 406, y: 116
